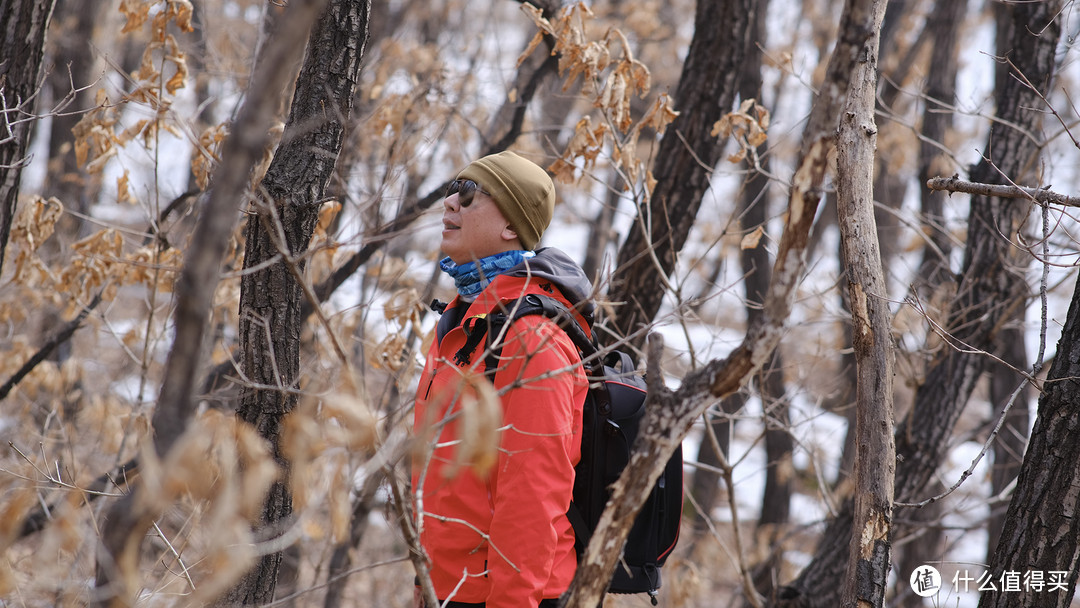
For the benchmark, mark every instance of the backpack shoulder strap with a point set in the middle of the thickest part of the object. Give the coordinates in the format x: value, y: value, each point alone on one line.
x: 489, y: 326
x: 555, y: 310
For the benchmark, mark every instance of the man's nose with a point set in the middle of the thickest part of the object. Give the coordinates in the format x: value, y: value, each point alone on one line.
x: 450, y: 203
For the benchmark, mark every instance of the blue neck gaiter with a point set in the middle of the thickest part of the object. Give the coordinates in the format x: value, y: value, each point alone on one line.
x: 471, y: 278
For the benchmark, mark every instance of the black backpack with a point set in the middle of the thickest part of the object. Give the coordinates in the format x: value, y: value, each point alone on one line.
x: 613, y: 410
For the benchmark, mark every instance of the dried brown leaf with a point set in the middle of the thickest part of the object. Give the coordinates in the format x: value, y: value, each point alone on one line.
x: 340, y: 506
x: 206, y: 155
x: 136, y: 13
x: 747, y: 126
x: 181, y: 12
x: 36, y: 222
x: 751, y: 240
x: 586, y: 144
x: 661, y: 114
x: 403, y: 307
x: 123, y: 190
x: 355, y: 426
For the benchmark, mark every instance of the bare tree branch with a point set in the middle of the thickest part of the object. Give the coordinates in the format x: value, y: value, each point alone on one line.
x: 1042, y: 196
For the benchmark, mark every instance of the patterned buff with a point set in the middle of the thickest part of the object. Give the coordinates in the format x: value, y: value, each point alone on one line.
x: 471, y: 278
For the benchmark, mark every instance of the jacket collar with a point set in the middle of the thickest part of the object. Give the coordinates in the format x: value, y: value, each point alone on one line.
x: 497, y: 298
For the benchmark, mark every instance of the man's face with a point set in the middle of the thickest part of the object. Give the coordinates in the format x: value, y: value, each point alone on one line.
x: 474, y: 227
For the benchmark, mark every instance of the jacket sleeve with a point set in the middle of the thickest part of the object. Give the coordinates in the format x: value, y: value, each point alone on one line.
x: 539, y: 447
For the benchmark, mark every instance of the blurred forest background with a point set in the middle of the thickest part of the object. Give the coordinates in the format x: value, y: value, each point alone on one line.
x: 148, y: 409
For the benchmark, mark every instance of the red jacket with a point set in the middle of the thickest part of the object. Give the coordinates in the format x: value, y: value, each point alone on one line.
x: 503, y: 538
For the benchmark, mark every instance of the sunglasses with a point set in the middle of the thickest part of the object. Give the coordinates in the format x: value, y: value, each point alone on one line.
x: 466, y: 189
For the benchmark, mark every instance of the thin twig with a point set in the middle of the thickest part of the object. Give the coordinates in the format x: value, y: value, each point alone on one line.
x: 975, y: 462
x: 176, y: 554
x: 751, y: 592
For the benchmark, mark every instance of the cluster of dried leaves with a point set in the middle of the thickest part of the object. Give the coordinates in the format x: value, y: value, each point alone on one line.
x: 612, y: 77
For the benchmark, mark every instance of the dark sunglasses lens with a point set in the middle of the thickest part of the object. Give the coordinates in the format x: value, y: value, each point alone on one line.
x: 465, y: 189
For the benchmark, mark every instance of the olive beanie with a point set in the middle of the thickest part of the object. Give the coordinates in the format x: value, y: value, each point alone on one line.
x: 522, y: 190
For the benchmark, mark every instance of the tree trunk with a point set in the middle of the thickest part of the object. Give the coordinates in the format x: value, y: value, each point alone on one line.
x: 705, y: 484
x: 875, y: 457
x: 1042, y: 527
x: 757, y: 264
x: 287, y: 207
x: 890, y: 188
x: 128, y: 519
x: 992, y: 284
x: 683, y: 164
x: 23, y: 25
x: 601, y: 233
x: 937, y: 121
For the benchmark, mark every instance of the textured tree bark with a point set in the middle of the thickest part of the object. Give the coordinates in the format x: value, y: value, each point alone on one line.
x: 286, y: 210
x: 991, y: 285
x: 992, y: 282
x: 683, y: 164
x: 23, y: 25
x: 891, y: 185
x: 1042, y: 527
x: 754, y: 213
x: 128, y: 519
x: 871, y: 323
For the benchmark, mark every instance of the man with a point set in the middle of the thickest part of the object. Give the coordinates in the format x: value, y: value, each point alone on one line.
x: 501, y: 538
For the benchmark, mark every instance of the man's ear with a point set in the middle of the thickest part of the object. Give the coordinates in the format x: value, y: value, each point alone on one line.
x: 509, y: 234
